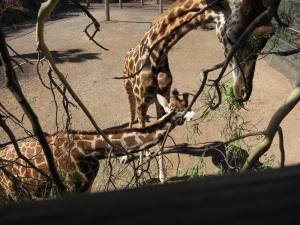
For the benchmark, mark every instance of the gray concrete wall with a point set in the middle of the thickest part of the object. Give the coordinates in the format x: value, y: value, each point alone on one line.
x: 289, y: 66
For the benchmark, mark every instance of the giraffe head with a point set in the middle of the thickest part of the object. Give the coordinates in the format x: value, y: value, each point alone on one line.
x: 176, y: 106
x: 229, y: 29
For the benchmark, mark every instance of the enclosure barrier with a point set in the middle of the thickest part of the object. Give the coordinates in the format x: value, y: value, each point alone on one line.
x: 290, y: 65
x: 269, y: 197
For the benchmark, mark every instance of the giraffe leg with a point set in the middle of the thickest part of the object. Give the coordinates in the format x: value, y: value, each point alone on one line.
x: 161, y: 167
x: 132, y: 104
x: 141, y: 111
x: 164, y: 83
x: 145, y: 95
x: 164, y: 80
x: 132, y: 110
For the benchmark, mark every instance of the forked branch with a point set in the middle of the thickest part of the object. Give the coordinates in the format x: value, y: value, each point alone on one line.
x: 274, y: 125
x: 94, y: 22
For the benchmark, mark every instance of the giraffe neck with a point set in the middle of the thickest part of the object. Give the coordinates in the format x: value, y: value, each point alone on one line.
x: 91, y: 144
x: 174, y: 24
x: 76, y: 155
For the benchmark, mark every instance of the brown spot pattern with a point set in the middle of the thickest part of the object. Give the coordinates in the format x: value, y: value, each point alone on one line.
x: 84, y: 144
x: 147, y: 138
x: 130, y: 141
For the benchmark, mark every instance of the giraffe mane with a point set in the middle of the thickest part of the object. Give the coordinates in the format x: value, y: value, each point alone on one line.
x: 150, y: 128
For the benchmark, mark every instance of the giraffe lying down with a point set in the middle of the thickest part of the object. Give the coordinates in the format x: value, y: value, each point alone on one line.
x: 76, y: 153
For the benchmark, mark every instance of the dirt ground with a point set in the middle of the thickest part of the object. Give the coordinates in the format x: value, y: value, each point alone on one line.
x: 90, y: 71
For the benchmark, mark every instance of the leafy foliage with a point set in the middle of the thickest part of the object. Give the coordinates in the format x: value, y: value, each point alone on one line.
x: 197, y: 170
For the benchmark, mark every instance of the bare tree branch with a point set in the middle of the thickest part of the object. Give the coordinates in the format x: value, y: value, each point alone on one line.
x: 282, y: 53
x: 44, y: 13
x: 281, y: 146
x: 94, y: 22
x: 18, y: 55
x: 258, y: 150
x: 13, y: 84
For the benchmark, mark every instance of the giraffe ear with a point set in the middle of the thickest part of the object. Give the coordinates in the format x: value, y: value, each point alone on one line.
x: 264, y: 30
x: 163, y: 102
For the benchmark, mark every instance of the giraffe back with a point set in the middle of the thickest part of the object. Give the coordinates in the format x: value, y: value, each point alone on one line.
x: 66, y: 160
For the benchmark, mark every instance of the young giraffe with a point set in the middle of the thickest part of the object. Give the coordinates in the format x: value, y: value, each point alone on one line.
x: 76, y: 153
x: 155, y: 76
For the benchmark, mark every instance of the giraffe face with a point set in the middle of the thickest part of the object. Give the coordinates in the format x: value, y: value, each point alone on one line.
x: 244, y: 61
x: 177, y: 106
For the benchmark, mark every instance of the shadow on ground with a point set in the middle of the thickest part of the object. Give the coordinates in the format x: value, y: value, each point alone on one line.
x: 132, y: 21
x: 16, y: 30
x: 227, y: 162
x: 72, y: 56
x: 221, y: 157
x: 69, y: 56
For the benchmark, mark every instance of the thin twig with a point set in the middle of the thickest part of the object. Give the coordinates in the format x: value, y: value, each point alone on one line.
x: 17, y: 54
x: 94, y: 22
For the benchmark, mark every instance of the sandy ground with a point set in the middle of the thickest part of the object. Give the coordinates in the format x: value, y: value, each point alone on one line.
x: 90, y: 71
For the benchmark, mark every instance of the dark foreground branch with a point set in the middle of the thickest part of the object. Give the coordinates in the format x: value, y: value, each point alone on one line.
x: 14, y: 86
x: 282, y: 53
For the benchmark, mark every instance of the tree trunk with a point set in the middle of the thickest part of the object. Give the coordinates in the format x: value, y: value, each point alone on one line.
x: 161, y: 6
x: 107, y: 15
x: 120, y: 4
x: 142, y: 2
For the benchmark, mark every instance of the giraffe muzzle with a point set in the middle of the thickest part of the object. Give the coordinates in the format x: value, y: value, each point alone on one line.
x: 243, y: 94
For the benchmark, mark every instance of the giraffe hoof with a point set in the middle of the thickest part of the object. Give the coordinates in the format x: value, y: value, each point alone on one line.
x: 162, y: 179
x: 139, y: 172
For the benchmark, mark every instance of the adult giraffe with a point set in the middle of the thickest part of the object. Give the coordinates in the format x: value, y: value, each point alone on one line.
x: 152, y: 68
x: 146, y: 67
